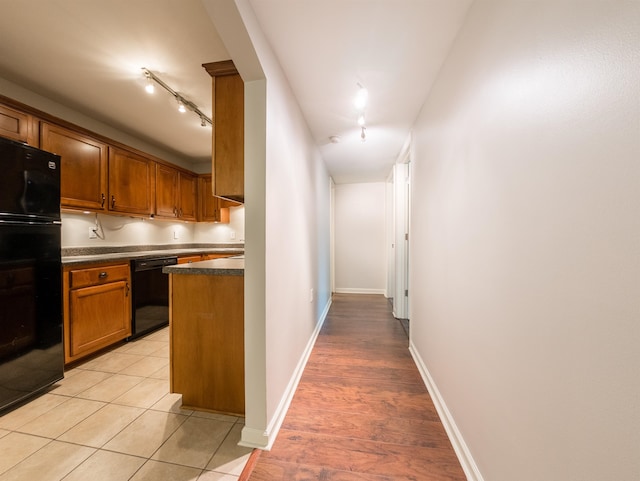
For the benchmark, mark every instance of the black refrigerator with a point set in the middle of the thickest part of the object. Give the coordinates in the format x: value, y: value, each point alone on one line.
x: 31, y: 349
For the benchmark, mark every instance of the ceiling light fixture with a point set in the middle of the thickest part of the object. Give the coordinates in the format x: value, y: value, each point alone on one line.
x: 361, y: 97
x: 361, y: 102
x: 149, y: 87
x: 181, y: 108
x: 183, y: 104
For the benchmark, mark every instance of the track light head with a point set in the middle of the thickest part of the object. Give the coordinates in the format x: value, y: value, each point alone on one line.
x: 181, y: 106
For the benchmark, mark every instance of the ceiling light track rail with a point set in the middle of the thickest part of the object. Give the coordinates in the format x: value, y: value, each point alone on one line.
x: 183, y: 103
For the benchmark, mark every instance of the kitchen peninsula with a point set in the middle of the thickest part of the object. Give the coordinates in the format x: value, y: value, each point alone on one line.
x: 206, y: 323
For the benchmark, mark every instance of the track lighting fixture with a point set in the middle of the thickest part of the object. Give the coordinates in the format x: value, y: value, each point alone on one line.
x: 181, y: 108
x: 149, y: 87
x: 183, y: 104
x: 361, y: 97
x: 361, y: 102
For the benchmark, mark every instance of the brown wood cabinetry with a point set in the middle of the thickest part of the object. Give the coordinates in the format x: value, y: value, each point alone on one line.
x: 212, y: 208
x: 227, y: 158
x: 176, y: 193
x: 187, y: 196
x: 83, y: 183
x: 15, y: 125
x: 207, y: 341
x: 132, y: 182
x: 208, y: 257
x: 189, y: 259
x: 102, y: 175
x: 166, y: 191
x: 97, y: 308
x: 201, y: 257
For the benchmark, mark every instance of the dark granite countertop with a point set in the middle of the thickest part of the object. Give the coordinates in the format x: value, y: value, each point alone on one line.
x: 230, y: 266
x: 88, y: 255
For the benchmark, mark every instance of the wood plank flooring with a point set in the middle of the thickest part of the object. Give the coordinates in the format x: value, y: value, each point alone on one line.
x: 361, y: 411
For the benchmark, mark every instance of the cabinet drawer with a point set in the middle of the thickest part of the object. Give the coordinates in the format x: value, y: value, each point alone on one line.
x: 98, y: 275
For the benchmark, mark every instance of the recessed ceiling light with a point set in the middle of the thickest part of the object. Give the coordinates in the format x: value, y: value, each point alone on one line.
x: 335, y: 139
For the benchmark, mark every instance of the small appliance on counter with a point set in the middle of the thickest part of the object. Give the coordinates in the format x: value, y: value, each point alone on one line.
x: 31, y: 349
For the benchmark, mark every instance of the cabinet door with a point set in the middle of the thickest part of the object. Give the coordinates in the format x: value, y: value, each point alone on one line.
x: 189, y: 259
x: 14, y: 124
x: 210, y: 206
x: 83, y: 183
x: 228, y: 137
x: 132, y: 182
x: 187, y: 207
x: 166, y: 191
x: 99, y: 316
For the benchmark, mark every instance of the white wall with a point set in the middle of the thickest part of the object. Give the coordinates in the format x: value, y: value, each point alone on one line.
x: 526, y: 239
x: 123, y: 230
x: 360, y: 254
x: 287, y: 206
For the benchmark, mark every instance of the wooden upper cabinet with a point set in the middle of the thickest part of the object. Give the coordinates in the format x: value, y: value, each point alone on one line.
x: 166, y: 191
x: 132, y: 182
x: 176, y: 193
x: 212, y: 209
x: 83, y: 183
x: 228, y: 130
x: 188, y: 194
x: 13, y: 124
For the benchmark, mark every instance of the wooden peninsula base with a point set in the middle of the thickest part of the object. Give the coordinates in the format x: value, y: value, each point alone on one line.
x: 206, y: 302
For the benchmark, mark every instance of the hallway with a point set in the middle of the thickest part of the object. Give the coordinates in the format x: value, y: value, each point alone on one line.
x: 361, y: 410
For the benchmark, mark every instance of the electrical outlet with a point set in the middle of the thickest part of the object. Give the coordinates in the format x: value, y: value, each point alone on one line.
x: 175, y: 234
x: 92, y: 233
x: 232, y: 235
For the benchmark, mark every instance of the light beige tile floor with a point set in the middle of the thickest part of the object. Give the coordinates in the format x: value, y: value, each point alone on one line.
x: 113, y: 419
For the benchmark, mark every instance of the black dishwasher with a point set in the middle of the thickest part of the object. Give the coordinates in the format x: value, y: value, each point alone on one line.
x: 150, y: 295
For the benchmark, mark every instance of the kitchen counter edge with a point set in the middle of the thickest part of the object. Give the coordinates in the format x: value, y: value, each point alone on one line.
x: 215, y: 267
x: 127, y: 256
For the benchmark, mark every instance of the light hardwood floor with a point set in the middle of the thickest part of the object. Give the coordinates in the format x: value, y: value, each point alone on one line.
x: 361, y: 410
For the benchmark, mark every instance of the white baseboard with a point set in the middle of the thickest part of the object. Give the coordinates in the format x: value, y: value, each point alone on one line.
x: 253, y: 438
x: 467, y: 462
x: 343, y: 290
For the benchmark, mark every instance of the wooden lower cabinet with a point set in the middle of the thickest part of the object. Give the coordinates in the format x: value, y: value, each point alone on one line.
x: 207, y: 341
x: 201, y: 257
x: 97, y: 308
x: 189, y: 259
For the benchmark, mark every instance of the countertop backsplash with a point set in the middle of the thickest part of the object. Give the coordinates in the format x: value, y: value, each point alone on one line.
x: 100, y: 230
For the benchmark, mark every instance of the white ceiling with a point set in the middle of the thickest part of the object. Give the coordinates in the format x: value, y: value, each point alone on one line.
x: 88, y: 55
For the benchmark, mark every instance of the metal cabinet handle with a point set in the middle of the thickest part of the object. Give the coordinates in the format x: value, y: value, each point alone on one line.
x: 113, y: 201
x: 102, y: 275
x: 180, y: 213
x: 175, y: 212
x: 103, y: 199
x: 127, y: 291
